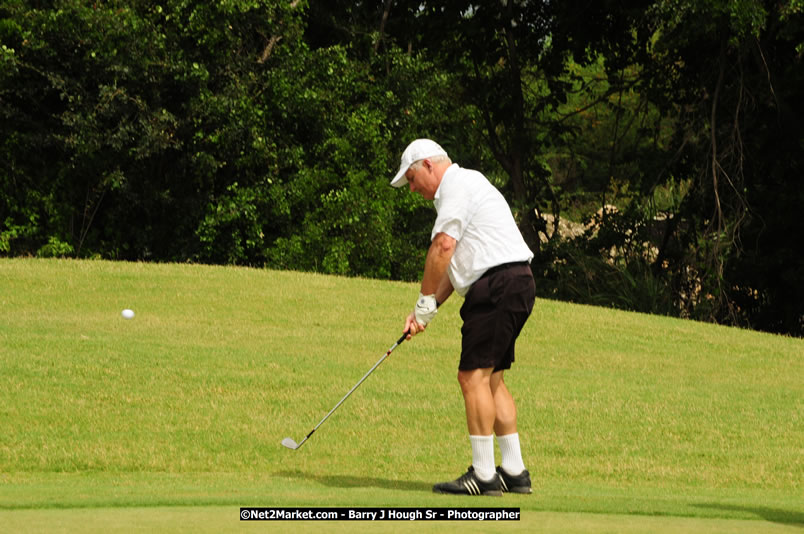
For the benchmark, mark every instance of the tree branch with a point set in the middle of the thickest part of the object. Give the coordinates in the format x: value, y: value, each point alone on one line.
x: 269, y: 47
x: 385, y: 12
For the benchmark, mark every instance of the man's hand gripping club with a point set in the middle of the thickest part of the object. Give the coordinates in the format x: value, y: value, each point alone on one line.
x: 436, y: 286
x: 424, y: 311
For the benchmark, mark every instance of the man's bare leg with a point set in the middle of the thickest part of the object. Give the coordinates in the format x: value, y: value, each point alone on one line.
x: 506, y: 430
x: 505, y: 408
x: 480, y: 415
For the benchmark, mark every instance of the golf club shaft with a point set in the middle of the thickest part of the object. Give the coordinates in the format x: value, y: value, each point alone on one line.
x: 395, y: 345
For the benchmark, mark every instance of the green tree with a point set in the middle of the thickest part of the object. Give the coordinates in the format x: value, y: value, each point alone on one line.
x: 737, y: 107
x: 122, y: 123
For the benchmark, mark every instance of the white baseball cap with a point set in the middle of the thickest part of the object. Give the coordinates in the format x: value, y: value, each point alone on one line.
x: 417, y: 150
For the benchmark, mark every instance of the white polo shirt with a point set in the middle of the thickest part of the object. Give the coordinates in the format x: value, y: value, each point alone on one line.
x: 476, y: 215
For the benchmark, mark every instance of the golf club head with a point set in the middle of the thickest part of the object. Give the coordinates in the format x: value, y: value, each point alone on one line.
x: 290, y: 444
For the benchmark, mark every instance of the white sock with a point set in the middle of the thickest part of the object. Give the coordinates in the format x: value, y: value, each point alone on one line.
x: 511, y: 454
x: 483, y: 457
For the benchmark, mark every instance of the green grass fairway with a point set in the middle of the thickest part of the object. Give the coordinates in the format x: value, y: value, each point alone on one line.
x: 173, y: 420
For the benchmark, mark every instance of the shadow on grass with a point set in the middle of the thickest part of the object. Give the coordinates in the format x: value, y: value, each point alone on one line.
x: 343, y: 481
x: 774, y: 515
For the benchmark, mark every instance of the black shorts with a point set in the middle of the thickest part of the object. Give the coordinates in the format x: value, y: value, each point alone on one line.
x: 494, y: 312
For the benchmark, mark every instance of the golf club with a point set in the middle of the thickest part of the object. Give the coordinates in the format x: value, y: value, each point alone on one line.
x: 291, y: 444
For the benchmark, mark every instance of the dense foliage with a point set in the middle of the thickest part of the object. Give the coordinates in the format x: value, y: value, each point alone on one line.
x: 264, y: 133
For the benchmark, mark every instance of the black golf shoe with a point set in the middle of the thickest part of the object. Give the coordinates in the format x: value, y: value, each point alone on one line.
x: 514, y: 484
x: 469, y: 484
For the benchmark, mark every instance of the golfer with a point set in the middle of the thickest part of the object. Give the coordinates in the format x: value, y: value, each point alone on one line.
x: 477, y: 251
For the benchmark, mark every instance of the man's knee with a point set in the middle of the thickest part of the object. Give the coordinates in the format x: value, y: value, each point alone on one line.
x: 473, y: 379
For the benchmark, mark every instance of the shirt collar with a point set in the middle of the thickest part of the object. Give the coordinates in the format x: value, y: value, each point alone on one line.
x: 450, y: 170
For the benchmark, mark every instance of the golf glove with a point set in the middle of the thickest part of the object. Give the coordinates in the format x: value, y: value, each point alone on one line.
x: 426, y: 308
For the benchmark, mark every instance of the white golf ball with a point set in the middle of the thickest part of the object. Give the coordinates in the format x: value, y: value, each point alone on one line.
x: 127, y: 314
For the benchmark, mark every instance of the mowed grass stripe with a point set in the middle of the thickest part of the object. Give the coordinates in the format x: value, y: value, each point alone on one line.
x: 225, y: 519
x: 187, y: 402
